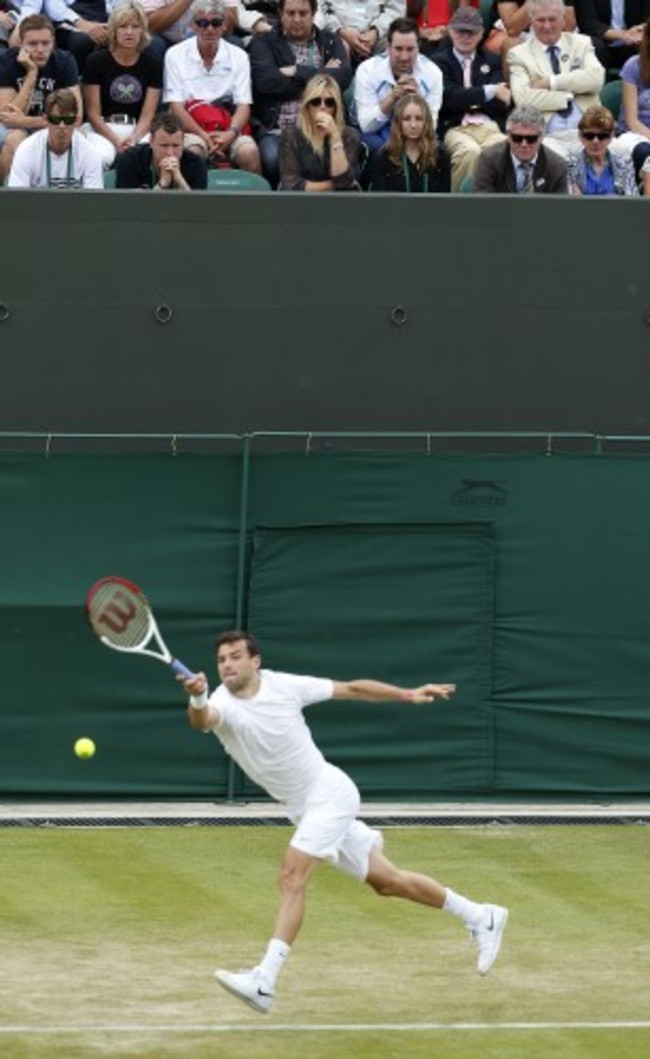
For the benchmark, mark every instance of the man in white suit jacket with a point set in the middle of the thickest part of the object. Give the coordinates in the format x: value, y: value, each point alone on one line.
x: 557, y: 72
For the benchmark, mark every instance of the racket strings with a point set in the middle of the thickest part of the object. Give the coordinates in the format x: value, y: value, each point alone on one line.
x: 120, y: 616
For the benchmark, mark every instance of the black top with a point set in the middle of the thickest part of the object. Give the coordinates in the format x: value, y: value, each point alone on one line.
x: 133, y: 169
x: 122, y: 88
x: 60, y: 71
x: 389, y: 177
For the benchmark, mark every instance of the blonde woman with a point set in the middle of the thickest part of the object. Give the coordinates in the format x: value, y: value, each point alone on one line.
x: 319, y: 152
x: 121, y: 84
x: 411, y: 161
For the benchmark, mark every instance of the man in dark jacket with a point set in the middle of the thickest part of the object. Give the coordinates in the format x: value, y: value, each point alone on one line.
x: 521, y: 165
x: 282, y: 62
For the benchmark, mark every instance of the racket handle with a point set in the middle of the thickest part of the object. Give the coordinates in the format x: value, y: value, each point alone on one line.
x: 178, y: 667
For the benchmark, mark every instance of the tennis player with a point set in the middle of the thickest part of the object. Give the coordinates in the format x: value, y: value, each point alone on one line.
x: 257, y: 714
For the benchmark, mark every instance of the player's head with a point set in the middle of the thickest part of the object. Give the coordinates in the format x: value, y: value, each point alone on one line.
x: 238, y: 660
x: 36, y: 36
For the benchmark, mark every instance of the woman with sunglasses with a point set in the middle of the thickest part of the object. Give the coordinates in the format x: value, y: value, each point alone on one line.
x: 594, y: 169
x: 319, y: 152
x: 411, y: 161
x: 121, y: 84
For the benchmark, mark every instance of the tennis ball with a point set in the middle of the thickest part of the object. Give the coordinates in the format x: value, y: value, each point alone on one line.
x: 84, y: 747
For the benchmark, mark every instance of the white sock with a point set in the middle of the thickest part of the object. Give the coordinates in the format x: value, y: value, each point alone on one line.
x: 273, y: 961
x: 468, y: 911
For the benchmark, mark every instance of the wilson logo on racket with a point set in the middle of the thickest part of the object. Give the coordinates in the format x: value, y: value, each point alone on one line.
x: 120, y: 615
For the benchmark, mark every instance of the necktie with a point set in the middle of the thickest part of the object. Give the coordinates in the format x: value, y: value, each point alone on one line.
x: 525, y: 178
x: 470, y: 118
x: 553, y: 53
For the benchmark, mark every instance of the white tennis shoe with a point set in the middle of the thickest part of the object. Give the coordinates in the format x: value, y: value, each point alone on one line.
x: 488, y: 935
x: 248, y: 986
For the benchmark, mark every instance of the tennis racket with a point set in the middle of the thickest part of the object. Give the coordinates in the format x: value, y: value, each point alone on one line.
x: 121, y: 616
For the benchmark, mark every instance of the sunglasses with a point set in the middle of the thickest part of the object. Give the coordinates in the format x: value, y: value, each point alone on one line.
x: 61, y: 119
x: 203, y: 23
x: 597, y: 135
x: 323, y: 101
x: 523, y: 137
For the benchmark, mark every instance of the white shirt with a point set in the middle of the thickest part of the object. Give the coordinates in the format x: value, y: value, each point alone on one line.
x: 375, y: 79
x: 178, y: 30
x: 359, y: 14
x: 267, y: 734
x: 186, y: 76
x: 80, y: 167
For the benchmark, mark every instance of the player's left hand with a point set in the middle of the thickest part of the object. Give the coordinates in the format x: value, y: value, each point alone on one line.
x: 430, y: 692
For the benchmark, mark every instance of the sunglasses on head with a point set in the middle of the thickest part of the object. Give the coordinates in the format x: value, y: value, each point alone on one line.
x: 323, y: 101
x: 61, y: 119
x: 524, y: 137
x: 597, y: 135
x: 203, y: 23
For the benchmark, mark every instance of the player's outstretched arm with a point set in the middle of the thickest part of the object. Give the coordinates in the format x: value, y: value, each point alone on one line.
x: 200, y: 713
x: 377, y: 691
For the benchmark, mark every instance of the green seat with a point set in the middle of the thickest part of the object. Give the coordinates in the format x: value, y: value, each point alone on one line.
x: 487, y: 13
x: 466, y: 185
x: 109, y: 178
x: 236, y: 180
x: 611, y: 96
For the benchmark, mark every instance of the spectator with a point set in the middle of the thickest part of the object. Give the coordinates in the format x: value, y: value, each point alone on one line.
x: 320, y: 153
x: 282, y: 62
x: 433, y: 18
x: 384, y: 79
x: 361, y: 24
x: 411, y: 161
x: 122, y: 84
x: 161, y: 164
x: 475, y: 97
x: 594, y: 170
x: 207, y: 84
x: 521, y: 165
x: 511, y: 25
x: 58, y: 156
x: 615, y: 28
x: 81, y: 26
x: 28, y: 74
x: 634, y: 119
x: 557, y: 72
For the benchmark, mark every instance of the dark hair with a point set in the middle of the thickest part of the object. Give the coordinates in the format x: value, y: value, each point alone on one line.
x: 64, y: 100
x: 402, y: 25
x: 166, y: 120
x: 234, y: 636
x: 312, y: 3
x: 34, y: 22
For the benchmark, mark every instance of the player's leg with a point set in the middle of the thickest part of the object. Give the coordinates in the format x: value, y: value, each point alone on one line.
x: 486, y: 922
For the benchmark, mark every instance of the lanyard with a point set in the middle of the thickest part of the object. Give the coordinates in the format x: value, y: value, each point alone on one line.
x: 407, y: 176
x: 48, y: 167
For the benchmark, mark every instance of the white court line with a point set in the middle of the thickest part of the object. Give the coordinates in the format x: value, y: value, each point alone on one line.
x: 357, y: 1027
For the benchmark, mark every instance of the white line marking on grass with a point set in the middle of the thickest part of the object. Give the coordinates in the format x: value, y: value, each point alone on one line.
x: 356, y: 1027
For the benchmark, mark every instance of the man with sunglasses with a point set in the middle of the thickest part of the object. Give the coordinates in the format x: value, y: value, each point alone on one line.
x: 206, y: 71
x: 557, y: 72
x: 521, y: 165
x: 58, y: 156
x: 282, y: 62
x: 28, y: 74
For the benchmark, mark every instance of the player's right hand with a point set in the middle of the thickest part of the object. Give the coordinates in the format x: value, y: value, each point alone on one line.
x: 194, y: 685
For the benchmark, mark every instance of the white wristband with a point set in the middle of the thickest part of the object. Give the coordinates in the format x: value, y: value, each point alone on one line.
x: 199, y: 702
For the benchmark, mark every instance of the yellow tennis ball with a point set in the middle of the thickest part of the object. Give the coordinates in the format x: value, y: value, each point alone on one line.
x: 84, y: 747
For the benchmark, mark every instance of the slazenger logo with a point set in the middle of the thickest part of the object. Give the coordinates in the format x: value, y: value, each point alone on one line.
x: 480, y: 492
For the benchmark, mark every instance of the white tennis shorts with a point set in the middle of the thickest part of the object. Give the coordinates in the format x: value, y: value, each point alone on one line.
x: 327, y: 826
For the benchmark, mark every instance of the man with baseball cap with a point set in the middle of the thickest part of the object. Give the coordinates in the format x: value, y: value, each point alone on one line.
x: 476, y: 97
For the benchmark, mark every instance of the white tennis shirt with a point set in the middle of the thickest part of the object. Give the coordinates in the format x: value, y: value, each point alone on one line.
x: 267, y: 735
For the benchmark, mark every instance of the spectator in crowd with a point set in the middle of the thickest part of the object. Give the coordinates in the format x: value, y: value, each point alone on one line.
x: 557, y: 72
x: 282, y: 62
x: 594, y: 169
x: 475, y: 99
x: 615, y: 28
x: 162, y: 164
x: 122, y: 84
x: 319, y: 152
x: 433, y: 18
x: 28, y: 74
x: 81, y: 26
x: 383, y: 79
x: 634, y: 119
x: 361, y: 24
x: 511, y: 25
x: 411, y: 160
x: 58, y: 156
x: 521, y: 165
x: 207, y: 84
x: 9, y: 15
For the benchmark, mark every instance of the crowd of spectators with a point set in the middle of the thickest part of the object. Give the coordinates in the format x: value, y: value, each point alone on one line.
x: 410, y: 96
